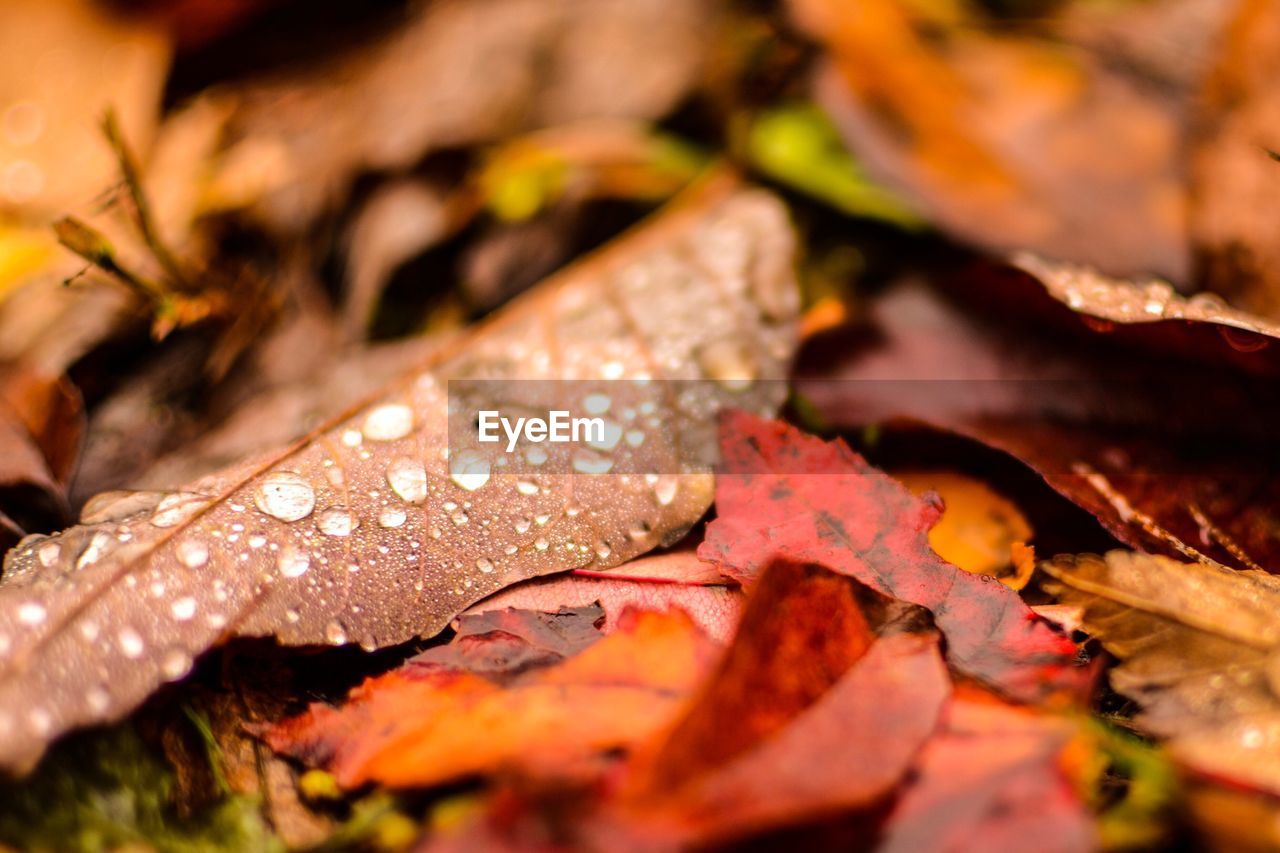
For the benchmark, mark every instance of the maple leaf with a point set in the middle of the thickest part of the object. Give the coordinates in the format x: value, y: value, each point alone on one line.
x: 360, y: 531
x: 1198, y: 646
x: 440, y: 716
x: 783, y: 493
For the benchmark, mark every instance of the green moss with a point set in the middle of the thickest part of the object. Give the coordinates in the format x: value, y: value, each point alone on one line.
x: 104, y: 790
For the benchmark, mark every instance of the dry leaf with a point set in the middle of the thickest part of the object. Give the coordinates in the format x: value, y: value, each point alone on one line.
x: 41, y: 428
x: 1233, y: 178
x: 784, y: 493
x: 430, y: 722
x: 359, y: 532
x: 457, y: 73
x: 826, y: 716
x: 66, y: 63
x: 1157, y: 427
x: 992, y: 778
x: 1012, y: 141
x: 979, y: 530
x: 1198, y: 647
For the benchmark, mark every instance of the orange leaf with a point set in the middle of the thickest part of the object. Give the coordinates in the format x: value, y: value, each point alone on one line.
x: 415, y: 728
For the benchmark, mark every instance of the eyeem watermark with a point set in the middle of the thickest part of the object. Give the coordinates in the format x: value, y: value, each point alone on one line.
x: 559, y: 427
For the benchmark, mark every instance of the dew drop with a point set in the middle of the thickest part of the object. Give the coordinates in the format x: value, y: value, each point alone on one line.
x: 523, y: 525
x: 94, y: 552
x: 459, y: 517
x: 408, y: 479
x: 352, y: 437
x: 173, y: 509
x: 485, y: 565
x: 337, y: 522
x: 285, y: 495
x: 41, y: 721
x: 608, y: 438
x: 49, y: 553
x: 392, y: 516
x: 541, y: 543
x: 589, y: 462
x: 175, y: 663
x: 293, y: 562
x: 292, y: 616
x: 603, y: 550
x: 97, y: 698
x: 389, y: 422
x: 257, y: 541
x: 541, y: 519
x: 1242, y: 340
x: 730, y: 363
x: 183, y: 608
x: 334, y: 633
x: 525, y: 487
x: 596, y: 404
x: 635, y: 437
x: 469, y: 469
x: 535, y: 456
x: 31, y: 613
x: 192, y: 553
x: 131, y: 645
x: 664, y: 491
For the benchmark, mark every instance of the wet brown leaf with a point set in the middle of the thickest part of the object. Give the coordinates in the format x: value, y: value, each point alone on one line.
x: 1198, y: 648
x: 359, y: 533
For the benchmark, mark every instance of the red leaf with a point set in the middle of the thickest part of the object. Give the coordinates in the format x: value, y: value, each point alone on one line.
x: 784, y: 493
x: 991, y: 780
